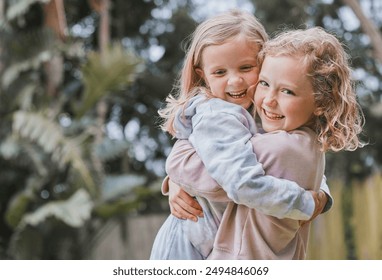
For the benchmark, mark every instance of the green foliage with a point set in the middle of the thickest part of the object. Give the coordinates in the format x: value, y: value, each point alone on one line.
x: 123, y: 185
x: 106, y: 72
x: 48, y: 134
x: 17, y: 208
x: 111, y: 149
x: 74, y: 211
x: 20, y: 58
x: 53, y: 148
x: 20, y: 8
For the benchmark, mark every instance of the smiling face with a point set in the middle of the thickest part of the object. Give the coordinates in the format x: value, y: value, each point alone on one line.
x: 284, y: 95
x: 230, y: 69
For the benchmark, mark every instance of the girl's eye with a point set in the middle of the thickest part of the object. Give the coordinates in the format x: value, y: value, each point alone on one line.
x: 263, y: 83
x: 287, y: 91
x: 219, y: 72
x: 247, y: 68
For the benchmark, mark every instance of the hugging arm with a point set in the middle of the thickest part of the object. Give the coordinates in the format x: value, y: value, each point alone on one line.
x: 228, y: 156
x: 184, y: 206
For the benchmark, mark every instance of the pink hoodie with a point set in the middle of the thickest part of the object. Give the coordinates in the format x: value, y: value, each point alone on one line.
x: 246, y: 233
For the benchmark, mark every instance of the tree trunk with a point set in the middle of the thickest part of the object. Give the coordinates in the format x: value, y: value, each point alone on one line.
x: 55, y: 17
x: 1, y: 19
x: 368, y: 27
x: 56, y: 20
x: 102, y: 7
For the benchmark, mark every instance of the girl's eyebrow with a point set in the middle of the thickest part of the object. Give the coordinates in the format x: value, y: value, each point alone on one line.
x: 262, y: 76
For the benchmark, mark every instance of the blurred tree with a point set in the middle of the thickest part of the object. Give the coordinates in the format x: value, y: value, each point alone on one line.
x: 78, y: 111
x: 54, y: 147
x: 368, y: 26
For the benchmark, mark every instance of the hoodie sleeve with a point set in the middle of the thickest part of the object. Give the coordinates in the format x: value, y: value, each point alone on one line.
x: 183, y: 117
x: 221, y: 137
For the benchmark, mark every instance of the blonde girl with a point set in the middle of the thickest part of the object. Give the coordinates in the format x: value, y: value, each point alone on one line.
x: 220, y: 66
x: 306, y: 102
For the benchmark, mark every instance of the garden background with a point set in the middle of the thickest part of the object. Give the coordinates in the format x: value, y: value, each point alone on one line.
x: 81, y: 154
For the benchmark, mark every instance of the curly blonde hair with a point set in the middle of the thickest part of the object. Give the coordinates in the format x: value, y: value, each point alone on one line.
x: 214, y: 31
x: 338, y: 116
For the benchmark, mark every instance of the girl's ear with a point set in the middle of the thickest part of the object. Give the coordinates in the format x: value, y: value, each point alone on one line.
x: 201, y: 75
x: 318, y: 112
x: 199, y: 72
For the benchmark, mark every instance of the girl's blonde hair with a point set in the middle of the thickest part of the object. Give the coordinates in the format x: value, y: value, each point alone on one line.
x: 214, y: 31
x: 338, y: 117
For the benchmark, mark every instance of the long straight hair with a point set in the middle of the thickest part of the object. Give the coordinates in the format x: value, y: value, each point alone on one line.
x: 214, y: 31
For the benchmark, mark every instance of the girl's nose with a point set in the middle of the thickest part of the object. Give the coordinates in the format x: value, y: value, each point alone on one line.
x: 235, y: 79
x: 270, y: 100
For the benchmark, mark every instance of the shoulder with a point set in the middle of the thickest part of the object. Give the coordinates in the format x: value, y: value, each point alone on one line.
x: 293, y: 155
x: 299, y: 148
x: 288, y: 141
x: 217, y: 111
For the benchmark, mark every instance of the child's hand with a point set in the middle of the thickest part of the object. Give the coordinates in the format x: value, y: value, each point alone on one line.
x: 320, y: 200
x: 182, y: 205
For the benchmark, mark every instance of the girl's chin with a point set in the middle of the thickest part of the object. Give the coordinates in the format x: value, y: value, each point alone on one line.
x: 269, y: 128
x: 245, y: 105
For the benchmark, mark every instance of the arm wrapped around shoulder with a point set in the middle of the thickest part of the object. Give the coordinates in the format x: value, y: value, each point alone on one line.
x: 185, y: 168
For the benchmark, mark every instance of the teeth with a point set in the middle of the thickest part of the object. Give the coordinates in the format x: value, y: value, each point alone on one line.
x: 237, y: 95
x: 272, y: 115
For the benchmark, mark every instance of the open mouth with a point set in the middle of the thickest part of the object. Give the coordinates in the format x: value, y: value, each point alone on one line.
x: 237, y: 95
x: 272, y: 116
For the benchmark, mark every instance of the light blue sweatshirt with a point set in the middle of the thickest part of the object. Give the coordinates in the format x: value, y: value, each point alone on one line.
x: 220, y: 132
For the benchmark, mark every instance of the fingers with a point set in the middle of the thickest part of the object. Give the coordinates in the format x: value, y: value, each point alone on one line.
x: 182, y: 210
x: 189, y: 204
x: 320, y: 200
x: 182, y: 205
x: 323, y: 199
x: 317, y: 208
x: 180, y: 213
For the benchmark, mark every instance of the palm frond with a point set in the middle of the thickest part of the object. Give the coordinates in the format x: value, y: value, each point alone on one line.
x: 107, y: 72
x: 18, y: 8
x: 18, y: 58
x: 47, y: 134
x: 74, y: 211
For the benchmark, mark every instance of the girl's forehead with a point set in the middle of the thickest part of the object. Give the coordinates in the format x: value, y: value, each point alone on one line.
x: 239, y: 40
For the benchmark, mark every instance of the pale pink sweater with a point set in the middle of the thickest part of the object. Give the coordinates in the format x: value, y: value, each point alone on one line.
x: 246, y: 233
